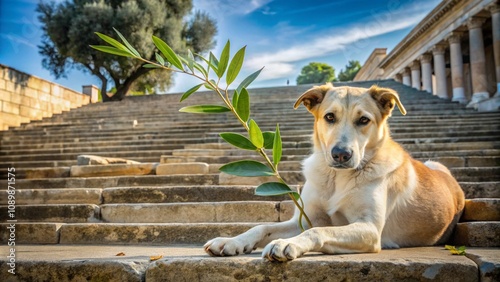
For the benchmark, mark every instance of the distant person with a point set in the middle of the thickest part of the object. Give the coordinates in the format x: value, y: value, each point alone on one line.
x: 287, y: 82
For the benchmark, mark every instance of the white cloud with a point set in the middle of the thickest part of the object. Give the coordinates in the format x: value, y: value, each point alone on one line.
x: 230, y: 7
x: 281, y: 63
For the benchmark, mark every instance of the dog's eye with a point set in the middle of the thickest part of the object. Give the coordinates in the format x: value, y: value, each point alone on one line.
x: 363, y: 121
x: 330, y: 118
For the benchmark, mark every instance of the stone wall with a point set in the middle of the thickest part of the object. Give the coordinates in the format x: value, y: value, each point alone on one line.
x: 24, y: 97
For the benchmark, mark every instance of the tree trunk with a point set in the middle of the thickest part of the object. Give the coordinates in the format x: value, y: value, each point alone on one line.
x: 122, y: 89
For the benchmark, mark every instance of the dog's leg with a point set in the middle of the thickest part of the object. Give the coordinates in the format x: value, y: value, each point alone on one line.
x: 258, y: 236
x: 359, y: 237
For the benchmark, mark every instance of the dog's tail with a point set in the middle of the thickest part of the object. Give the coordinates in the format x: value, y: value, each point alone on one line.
x: 437, y: 166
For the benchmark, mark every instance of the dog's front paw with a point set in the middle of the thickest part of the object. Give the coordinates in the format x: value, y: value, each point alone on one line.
x: 222, y: 246
x: 282, y: 250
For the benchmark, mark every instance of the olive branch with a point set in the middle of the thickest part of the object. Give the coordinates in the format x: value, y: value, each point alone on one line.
x: 257, y: 140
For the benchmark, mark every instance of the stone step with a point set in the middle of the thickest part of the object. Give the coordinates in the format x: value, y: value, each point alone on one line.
x: 481, y: 209
x: 235, y: 211
x: 190, y: 263
x: 477, y: 234
x: 182, y: 194
x: 53, y: 213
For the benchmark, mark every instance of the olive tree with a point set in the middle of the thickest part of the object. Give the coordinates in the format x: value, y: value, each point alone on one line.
x: 68, y: 30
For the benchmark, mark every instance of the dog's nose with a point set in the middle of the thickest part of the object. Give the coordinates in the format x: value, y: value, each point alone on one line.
x: 341, y: 155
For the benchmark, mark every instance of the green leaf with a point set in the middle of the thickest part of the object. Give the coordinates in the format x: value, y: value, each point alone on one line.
x: 160, y: 59
x: 224, y: 60
x: 235, y: 66
x: 238, y: 140
x: 112, y: 50
x: 255, y: 134
x: 151, y: 66
x: 249, y: 79
x: 208, y: 86
x: 243, y: 105
x: 456, y: 251
x: 277, y: 147
x: 275, y: 189
x: 235, y: 99
x: 112, y: 42
x: 213, y: 62
x: 247, y: 168
x: 190, y: 59
x: 268, y: 139
x: 130, y: 47
x: 207, y: 62
x: 168, y: 52
x: 190, y: 91
x: 200, y: 68
x: 204, y: 109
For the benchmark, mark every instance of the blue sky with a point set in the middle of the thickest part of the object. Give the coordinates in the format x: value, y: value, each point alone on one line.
x: 281, y: 35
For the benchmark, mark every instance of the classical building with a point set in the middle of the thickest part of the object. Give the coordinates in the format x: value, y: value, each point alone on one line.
x: 454, y: 52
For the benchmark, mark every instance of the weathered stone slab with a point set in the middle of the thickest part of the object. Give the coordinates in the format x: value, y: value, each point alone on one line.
x: 191, y: 212
x: 182, y: 168
x: 228, y: 179
x: 32, y: 233
x: 481, y: 210
x: 176, y: 194
x: 98, y: 160
x: 47, y: 172
x: 148, y: 233
x: 488, y: 262
x: 477, y: 234
x: 113, y: 170
x: 56, y: 196
x: 481, y: 189
x: 415, y: 264
x: 53, y: 213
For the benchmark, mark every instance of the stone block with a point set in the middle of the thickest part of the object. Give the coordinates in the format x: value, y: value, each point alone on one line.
x: 228, y: 179
x: 287, y: 209
x: 191, y: 212
x: 113, y: 170
x: 30, y: 112
x: 31, y: 92
x: 2, y: 83
x: 54, y: 213
x: 32, y: 233
x: 16, y: 98
x: 451, y: 161
x: 10, y: 108
x: 488, y: 262
x: 55, y: 90
x: 4, y: 95
x: 34, y: 83
x: 481, y: 210
x: 148, y: 233
x: 415, y: 264
x: 98, y: 160
x: 57, y: 196
x: 44, y: 97
x: 182, y: 168
x: 483, y: 161
x: 477, y: 234
x: 10, y: 86
x: 44, y: 86
x: 46, y: 172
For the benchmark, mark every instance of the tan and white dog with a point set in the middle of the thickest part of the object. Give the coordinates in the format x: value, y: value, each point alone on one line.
x: 363, y: 191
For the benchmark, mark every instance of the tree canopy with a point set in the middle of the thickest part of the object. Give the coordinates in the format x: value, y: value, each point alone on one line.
x: 69, y: 28
x: 351, y: 69
x: 316, y: 73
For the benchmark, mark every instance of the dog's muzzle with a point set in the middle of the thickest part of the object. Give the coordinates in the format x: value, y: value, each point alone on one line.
x: 341, y: 156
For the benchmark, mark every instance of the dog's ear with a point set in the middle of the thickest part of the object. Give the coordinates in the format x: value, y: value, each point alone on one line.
x: 313, y: 96
x: 386, y: 99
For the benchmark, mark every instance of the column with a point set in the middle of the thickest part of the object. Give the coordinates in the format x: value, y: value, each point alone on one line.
x: 477, y: 61
x: 415, y: 74
x: 406, y: 76
x: 457, y: 67
x: 425, y: 62
x: 398, y: 78
x: 440, y: 71
x: 495, y: 26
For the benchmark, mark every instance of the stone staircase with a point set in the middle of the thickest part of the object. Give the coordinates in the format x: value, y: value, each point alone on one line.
x: 72, y: 219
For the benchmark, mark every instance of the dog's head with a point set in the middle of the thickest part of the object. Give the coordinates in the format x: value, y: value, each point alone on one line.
x: 350, y: 123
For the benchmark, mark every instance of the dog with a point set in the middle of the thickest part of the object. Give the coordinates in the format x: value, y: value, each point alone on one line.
x: 363, y: 191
